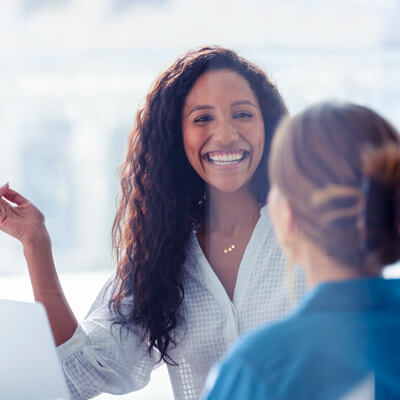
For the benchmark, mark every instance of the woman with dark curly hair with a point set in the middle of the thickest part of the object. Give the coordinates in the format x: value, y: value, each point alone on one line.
x: 197, y: 260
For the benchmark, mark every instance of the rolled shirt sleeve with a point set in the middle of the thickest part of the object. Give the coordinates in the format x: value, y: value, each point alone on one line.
x: 103, y: 356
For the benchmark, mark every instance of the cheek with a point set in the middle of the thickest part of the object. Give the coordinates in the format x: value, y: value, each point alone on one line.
x: 262, y: 137
x: 192, y: 147
x: 187, y: 140
x: 261, y: 146
x: 259, y: 141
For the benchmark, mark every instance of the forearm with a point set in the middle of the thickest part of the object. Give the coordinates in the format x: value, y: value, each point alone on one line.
x: 47, y: 288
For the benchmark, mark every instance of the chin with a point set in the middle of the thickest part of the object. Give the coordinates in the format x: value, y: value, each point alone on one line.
x: 229, y: 187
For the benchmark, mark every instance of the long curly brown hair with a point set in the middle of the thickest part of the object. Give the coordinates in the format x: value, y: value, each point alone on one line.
x: 161, y: 200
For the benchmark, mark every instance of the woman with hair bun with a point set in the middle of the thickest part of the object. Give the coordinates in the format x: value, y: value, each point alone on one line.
x: 197, y: 260
x: 335, y: 206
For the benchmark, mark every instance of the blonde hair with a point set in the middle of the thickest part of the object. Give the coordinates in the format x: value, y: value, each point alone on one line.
x: 338, y: 165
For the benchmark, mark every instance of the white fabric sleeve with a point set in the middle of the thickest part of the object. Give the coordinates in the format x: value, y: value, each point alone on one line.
x: 105, y: 357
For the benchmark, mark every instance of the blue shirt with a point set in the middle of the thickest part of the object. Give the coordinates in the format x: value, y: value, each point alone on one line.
x: 344, y: 337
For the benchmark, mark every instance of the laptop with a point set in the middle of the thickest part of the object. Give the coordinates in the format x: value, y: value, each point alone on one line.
x: 29, y: 364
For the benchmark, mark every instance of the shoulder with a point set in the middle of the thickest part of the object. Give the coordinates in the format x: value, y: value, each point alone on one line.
x: 248, y: 370
x: 262, y: 346
x: 235, y: 379
x: 255, y: 364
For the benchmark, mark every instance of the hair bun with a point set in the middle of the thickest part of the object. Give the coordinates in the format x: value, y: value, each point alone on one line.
x: 381, y: 214
x: 383, y: 164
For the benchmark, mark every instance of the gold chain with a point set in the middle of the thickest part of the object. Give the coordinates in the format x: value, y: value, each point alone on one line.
x: 232, y: 247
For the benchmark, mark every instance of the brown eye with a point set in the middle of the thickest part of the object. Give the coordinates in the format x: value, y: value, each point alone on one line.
x: 203, y: 118
x: 242, y: 114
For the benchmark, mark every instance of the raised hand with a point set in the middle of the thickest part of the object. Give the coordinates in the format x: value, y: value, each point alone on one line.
x: 19, y: 217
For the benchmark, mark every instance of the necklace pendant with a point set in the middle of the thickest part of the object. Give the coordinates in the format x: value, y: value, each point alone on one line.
x: 229, y: 249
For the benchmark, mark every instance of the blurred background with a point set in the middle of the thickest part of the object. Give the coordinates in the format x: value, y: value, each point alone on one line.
x: 73, y: 73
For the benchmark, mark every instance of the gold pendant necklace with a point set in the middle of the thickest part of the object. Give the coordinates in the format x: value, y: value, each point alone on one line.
x: 229, y: 249
x: 232, y: 247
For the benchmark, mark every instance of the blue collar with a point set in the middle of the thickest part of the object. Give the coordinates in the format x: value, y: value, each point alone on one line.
x: 357, y: 294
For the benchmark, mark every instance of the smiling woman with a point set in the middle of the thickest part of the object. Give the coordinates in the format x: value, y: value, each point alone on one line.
x: 223, y: 130
x: 198, y: 263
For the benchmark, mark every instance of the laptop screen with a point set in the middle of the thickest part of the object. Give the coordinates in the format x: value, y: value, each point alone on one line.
x: 29, y: 365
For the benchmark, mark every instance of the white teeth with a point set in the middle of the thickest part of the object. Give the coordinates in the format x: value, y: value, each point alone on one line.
x: 219, y: 158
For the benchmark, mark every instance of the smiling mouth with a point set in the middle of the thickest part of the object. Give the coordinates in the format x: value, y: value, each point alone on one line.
x: 221, y: 158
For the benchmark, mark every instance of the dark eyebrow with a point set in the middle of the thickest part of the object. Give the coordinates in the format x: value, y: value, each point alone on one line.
x: 200, y: 107
x: 241, y: 102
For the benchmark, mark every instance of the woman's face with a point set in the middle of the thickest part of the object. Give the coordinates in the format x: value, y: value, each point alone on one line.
x: 223, y: 130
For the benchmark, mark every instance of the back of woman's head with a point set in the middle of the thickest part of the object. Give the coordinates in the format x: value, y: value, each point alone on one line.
x: 162, y: 196
x: 338, y: 165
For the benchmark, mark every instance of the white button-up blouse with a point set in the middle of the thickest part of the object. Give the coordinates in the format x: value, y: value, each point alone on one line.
x: 100, y: 357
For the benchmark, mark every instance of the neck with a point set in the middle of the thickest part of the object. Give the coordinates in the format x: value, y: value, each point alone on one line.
x: 321, y: 268
x: 228, y: 212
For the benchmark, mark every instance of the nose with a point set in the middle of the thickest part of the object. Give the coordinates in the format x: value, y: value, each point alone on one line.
x: 224, y: 131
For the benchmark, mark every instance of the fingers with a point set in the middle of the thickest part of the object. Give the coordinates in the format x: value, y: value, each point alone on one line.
x: 4, y: 189
x: 14, y: 197
x: 3, y: 210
